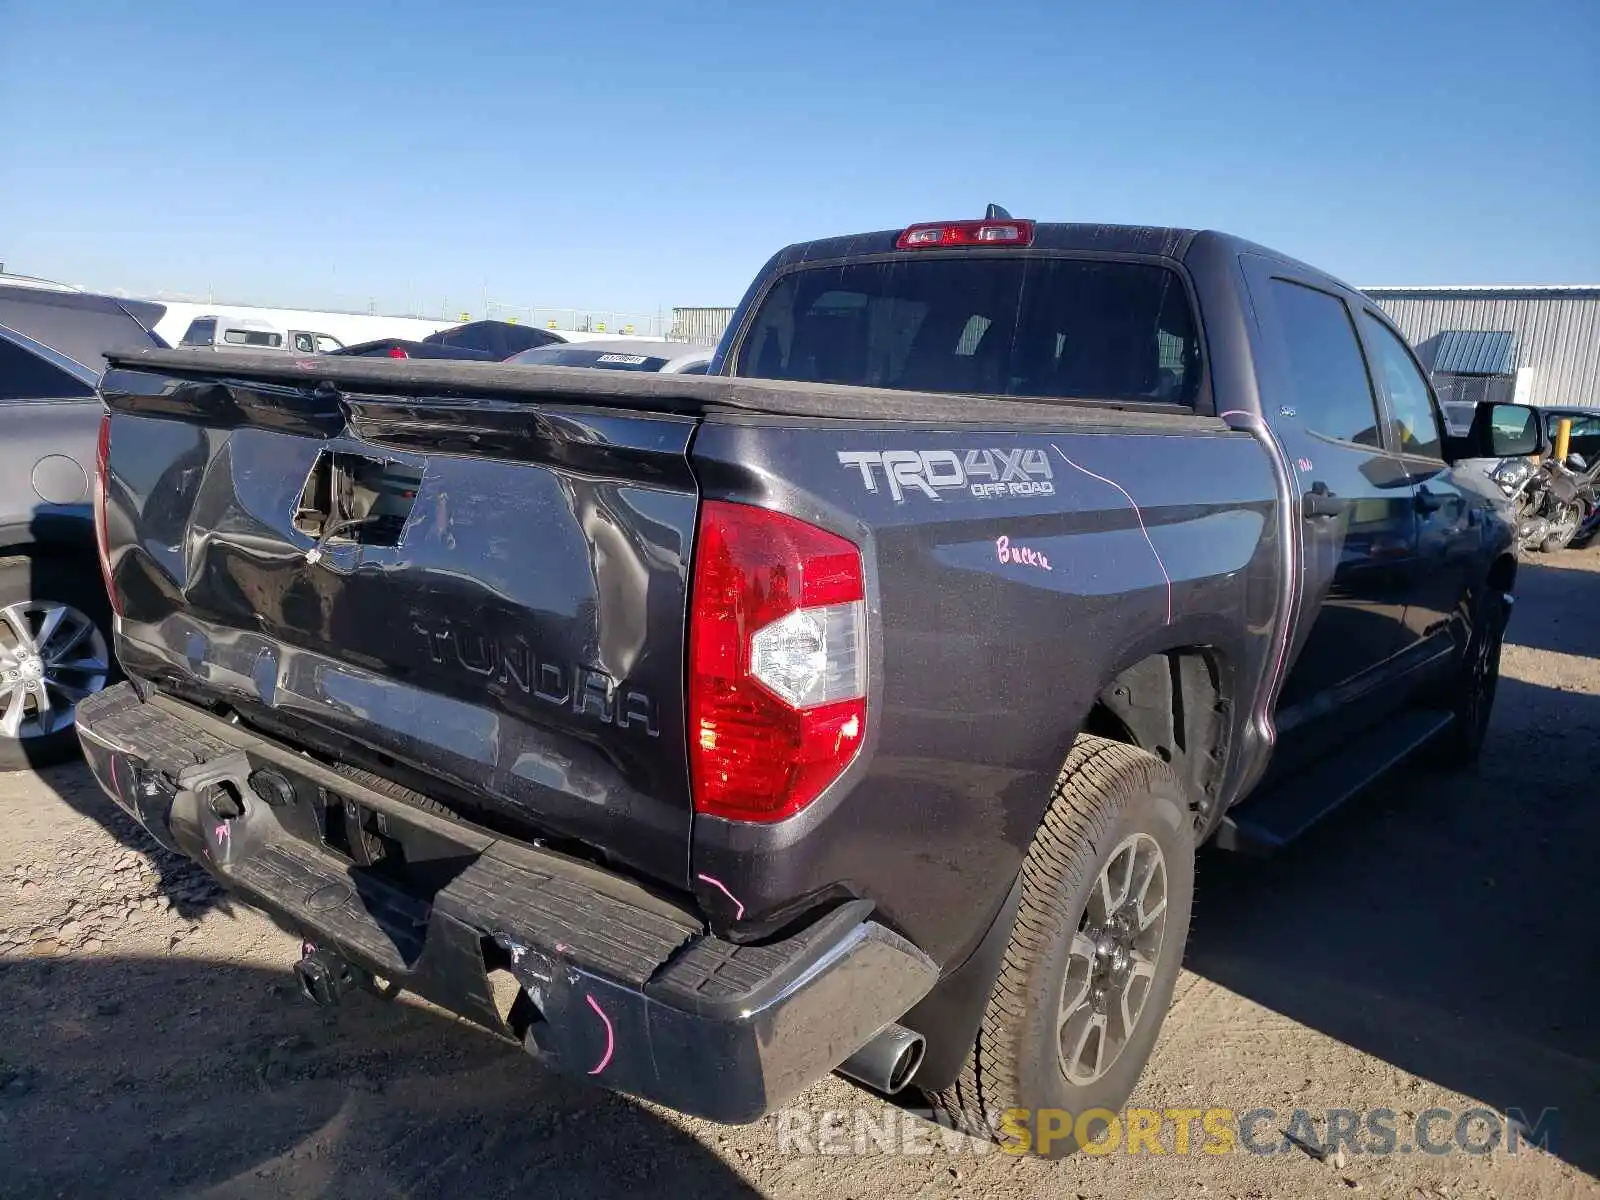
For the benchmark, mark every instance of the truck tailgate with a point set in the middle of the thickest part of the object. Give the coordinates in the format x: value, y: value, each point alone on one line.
x: 492, y: 593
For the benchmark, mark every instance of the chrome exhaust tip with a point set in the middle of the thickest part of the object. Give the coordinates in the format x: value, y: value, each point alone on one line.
x: 886, y: 1063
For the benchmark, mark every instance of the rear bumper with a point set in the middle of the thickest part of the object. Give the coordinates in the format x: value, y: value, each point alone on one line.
x: 620, y: 985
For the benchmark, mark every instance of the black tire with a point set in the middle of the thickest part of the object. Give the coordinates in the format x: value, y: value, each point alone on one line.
x: 76, y: 583
x: 1572, y: 518
x: 1473, y: 692
x: 1105, y: 797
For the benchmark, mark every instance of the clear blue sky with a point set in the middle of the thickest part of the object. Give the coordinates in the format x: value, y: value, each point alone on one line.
x: 638, y: 155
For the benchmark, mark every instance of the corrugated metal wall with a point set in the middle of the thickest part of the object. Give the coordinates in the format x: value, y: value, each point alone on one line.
x: 1557, y: 333
x: 700, y: 324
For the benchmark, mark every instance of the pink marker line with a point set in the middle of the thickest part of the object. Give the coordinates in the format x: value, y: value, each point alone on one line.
x: 611, y: 1037
x: 1138, y: 515
x: 1291, y: 550
x: 717, y: 883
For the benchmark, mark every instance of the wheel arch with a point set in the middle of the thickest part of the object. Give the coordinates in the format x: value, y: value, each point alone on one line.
x: 1176, y: 704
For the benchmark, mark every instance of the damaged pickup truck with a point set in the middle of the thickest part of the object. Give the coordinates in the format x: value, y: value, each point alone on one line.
x: 858, y: 706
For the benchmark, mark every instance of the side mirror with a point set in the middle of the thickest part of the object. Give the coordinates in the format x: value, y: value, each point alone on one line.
x: 1501, y: 431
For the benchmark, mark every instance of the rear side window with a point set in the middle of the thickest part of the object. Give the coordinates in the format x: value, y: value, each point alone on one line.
x: 1332, y: 392
x: 26, y: 376
x: 1026, y: 327
x: 253, y: 337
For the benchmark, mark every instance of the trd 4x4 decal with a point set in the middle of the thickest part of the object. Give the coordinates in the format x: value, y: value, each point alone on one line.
x: 983, y: 473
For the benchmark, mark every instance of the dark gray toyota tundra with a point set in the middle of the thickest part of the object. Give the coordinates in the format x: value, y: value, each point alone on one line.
x: 858, y: 706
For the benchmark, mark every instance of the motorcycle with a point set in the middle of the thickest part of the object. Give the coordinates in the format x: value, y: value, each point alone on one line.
x: 1554, y: 502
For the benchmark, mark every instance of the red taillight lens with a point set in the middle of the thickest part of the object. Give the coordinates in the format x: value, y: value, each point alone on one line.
x: 777, y: 662
x: 938, y: 234
x: 102, y: 455
x: 398, y: 352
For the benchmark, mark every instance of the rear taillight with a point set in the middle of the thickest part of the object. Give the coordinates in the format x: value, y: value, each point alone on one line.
x: 937, y: 234
x: 777, y: 662
x: 102, y: 455
x: 398, y: 352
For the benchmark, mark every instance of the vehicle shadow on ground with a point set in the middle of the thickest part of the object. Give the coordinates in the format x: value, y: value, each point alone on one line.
x: 1565, y: 604
x: 191, y: 892
x: 1445, y: 922
x: 143, y: 1077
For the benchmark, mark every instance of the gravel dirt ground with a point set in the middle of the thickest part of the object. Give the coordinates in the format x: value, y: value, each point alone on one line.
x: 1434, y: 944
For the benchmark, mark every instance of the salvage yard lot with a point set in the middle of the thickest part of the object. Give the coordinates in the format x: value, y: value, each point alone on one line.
x: 1434, y: 945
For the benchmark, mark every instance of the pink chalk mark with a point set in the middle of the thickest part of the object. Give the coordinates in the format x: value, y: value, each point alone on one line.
x: 1025, y: 555
x: 1138, y: 515
x: 717, y: 883
x: 611, y: 1037
x: 222, y: 833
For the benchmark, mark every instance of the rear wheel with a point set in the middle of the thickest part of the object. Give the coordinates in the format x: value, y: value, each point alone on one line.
x: 55, y: 639
x: 1088, y: 975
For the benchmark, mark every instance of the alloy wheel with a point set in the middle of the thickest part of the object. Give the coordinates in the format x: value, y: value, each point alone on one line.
x: 51, y: 657
x: 1112, y: 961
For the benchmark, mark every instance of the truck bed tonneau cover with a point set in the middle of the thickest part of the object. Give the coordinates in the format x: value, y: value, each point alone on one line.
x: 690, y: 395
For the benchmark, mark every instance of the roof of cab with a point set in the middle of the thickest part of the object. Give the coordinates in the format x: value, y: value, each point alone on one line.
x: 1110, y: 239
x: 1073, y: 238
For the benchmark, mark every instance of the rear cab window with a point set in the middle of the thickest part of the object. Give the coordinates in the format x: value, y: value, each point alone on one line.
x: 200, y: 333
x: 1034, y: 327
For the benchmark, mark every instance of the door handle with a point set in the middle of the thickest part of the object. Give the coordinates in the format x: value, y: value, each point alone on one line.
x: 1320, y: 503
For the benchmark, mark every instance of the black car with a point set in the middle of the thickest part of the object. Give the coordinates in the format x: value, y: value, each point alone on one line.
x: 619, y: 354
x: 1584, y: 437
x: 487, y: 341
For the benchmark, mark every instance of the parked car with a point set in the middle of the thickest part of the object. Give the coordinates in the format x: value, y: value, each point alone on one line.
x: 214, y: 332
x: 1584, y: 435
x: 486, y: 341
x: 55, y: 622
x: 858, y: 706
x: 642, y: 354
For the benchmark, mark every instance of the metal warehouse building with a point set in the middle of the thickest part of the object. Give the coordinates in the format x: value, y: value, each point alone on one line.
x: 1536, y: 345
